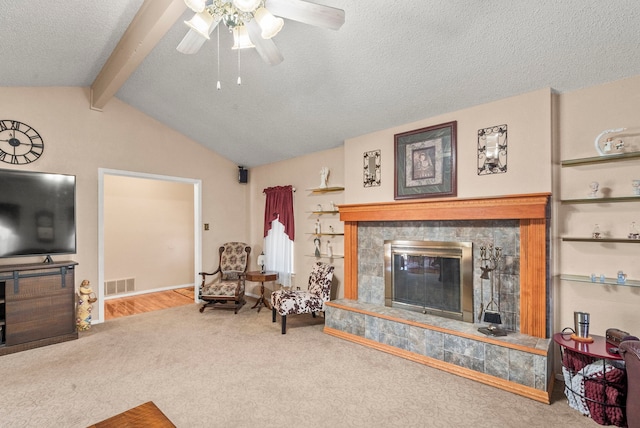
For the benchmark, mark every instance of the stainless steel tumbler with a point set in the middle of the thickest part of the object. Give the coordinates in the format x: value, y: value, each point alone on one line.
x: 581, y: 323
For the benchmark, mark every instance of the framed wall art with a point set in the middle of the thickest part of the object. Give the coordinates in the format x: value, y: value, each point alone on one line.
x: 425, y: 162
x: 371, y: 168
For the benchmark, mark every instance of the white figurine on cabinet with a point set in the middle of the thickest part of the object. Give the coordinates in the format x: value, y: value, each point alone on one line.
x: 318, y: 228
x: 594, y: 189
x: 329, y: 249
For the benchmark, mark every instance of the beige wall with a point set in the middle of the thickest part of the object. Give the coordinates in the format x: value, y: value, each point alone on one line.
x: 528, y: 118
x: 79, y: 141
x: 148, y: 224
x: 583, y: 115
x: 303, y: 173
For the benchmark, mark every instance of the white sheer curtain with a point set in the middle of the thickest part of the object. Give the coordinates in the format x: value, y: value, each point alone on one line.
x: 278, y: 249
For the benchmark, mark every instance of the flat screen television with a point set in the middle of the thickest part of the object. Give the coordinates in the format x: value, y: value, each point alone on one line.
x: 37, y: 213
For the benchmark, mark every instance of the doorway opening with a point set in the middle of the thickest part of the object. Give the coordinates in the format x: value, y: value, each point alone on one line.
x: 157, y: 234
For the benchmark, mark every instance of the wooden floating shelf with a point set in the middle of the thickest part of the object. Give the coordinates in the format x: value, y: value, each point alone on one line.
x: 326, y: 189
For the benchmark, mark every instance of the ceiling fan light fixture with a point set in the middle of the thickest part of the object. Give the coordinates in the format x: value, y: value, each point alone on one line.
x: 246, y: 5
x: 241, y: 38
x: 195, y: 5
x: 201, y: 23
x: 269, y: 24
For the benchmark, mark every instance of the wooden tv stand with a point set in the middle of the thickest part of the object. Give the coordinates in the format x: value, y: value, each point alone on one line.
x: 37, y: 305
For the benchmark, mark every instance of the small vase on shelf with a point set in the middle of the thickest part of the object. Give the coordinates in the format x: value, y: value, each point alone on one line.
x: 596, y: 234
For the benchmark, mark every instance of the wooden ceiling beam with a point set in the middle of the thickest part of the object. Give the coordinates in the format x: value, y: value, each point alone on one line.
x: 150, y: 24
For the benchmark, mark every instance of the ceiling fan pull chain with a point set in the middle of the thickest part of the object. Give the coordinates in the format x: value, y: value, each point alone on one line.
x: 218, y: 84
x: 239, y: 79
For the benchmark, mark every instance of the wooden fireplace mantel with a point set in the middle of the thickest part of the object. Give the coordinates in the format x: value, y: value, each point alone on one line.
x: 530, y: 210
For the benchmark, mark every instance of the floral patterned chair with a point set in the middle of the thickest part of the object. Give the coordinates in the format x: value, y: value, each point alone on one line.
x: 287, y: 302
x: 227, y: 288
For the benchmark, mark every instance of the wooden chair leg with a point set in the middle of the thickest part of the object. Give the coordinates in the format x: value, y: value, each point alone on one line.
x: 284, y: 324
x: 273, y: 314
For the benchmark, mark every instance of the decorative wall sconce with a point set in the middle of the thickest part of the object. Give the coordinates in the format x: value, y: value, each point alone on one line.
x: 492, y: 150
x: 371, y: 168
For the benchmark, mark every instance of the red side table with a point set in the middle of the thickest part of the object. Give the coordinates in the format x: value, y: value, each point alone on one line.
x: 595, y: 379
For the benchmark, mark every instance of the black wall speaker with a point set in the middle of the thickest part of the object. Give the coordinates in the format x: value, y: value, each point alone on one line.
x: 243, y: 175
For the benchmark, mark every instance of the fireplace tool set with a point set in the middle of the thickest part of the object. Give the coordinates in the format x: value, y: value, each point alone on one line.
x: 490, y: 262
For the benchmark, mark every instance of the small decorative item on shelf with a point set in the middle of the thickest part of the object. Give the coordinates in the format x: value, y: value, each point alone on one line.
x: 329, y: 249
x: 316, y: 242
x: 609, y: 146
x: 331, y: 229
x: 622, y: 277
x: 593, y: 187
x: 636, y: 187
x: 324, y: 177
x: 593, y: 277
x: 633, y: 231
x: 602, y: 278
x: 318, y: 227
x: 319, y: 208
x: 332, y: 206
x: 596, y: 234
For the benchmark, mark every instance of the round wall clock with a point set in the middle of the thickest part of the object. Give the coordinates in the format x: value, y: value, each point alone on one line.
x: 19, y: 143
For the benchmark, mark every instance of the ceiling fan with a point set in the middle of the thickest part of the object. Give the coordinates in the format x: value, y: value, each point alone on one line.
x: 254, y: 22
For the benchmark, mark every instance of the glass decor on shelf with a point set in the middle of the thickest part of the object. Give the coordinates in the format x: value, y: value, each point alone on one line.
x: 596, y: 234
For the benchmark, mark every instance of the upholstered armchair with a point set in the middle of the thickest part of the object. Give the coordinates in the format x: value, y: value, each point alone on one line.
x: 630, y: 351
x: 227, y: 287
x: 287, y: 302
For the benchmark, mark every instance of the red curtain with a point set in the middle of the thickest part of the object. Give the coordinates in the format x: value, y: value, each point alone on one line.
x: 279, y: 204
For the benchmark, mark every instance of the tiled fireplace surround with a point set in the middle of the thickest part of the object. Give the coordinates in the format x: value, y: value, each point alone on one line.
x: 521, y: 361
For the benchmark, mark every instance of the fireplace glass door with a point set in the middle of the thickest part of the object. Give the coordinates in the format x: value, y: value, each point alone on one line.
x: 429, y: 277
x: 427, y: 281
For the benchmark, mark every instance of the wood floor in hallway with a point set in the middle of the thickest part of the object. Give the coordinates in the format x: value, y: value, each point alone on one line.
x: 124, y: 306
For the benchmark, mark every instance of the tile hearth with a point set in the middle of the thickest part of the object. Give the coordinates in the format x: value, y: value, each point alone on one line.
x: 516, y: 362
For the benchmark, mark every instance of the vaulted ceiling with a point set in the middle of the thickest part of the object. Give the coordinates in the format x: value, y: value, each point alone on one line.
x: 392, y: 62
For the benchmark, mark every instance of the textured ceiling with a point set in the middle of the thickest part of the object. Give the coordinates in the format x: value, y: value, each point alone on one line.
x: 391, y: 63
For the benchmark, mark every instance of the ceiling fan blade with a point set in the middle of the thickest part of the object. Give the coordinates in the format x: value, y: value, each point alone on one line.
x: 191, y: 43
x: 308, y: 13
x: 266, y: 47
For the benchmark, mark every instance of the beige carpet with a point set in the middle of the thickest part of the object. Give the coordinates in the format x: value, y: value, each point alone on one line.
x: 217, y: 369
